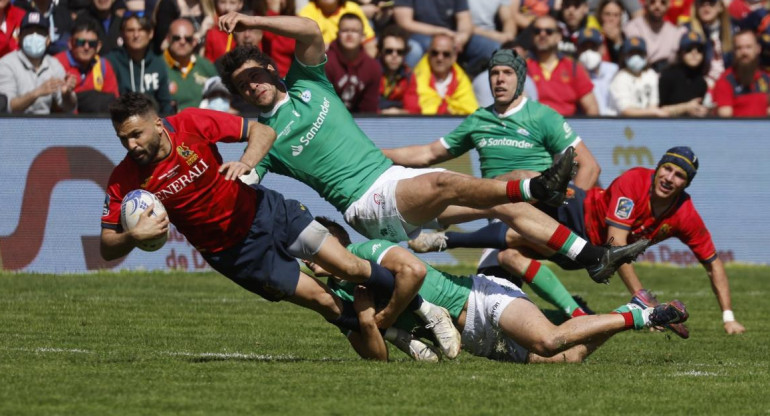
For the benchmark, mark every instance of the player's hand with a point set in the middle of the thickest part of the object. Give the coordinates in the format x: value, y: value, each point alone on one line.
x: 236, y: 22
x: 149, y: 226
x: 363, y: 304
x: 232, y: 170
x: 734, y: 327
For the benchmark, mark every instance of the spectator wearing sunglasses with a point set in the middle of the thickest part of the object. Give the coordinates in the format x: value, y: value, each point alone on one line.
x: 439, y: 85
x: 392, y: 48
x: 96, y: 85
x: 660, y: 36
x: 711, y: 20
x: 187, y: 73
x: 106, y: 14
x: 685, y: 80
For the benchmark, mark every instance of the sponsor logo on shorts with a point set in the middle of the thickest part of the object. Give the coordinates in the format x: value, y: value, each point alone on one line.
x: 624, y: 208
x: 378, y: 198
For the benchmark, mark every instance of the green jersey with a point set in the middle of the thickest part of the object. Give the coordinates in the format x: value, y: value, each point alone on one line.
x: 439, y: 288
x: 525, y: 138
x: 318, y: 142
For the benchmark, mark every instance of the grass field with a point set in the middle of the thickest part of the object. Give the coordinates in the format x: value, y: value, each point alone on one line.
x: 196, y: 344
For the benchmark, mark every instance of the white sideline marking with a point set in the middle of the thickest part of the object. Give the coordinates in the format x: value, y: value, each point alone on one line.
x: 234, y: 355
x: 47, y: 349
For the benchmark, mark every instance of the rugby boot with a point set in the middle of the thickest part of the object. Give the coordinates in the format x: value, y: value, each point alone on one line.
x: 614, y: 257
x: 555, y: 179
x: 673, y: 312
x: 427, y: 242
x: 644, y: 297
x: 414, y: 347
x: 439, y: 322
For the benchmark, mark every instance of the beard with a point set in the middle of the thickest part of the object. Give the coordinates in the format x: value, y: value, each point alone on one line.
x: 744, y: 72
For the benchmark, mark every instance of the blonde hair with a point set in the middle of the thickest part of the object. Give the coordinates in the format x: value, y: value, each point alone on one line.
x: 725, y: 29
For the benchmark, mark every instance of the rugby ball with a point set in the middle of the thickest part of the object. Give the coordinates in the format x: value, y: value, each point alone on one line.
x: 133, y: 206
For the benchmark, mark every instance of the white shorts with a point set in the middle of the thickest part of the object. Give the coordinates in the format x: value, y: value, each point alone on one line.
x: 375, y: 214
x: 482, y: 335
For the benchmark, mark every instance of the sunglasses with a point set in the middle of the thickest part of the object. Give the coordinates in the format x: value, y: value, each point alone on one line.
x: 389, y: 51
x: 445, y: 54
x: 548, y: 30
x: 692, y: 48
x: 133, y: 13
x: 177, y: 38
x: 83, y: 42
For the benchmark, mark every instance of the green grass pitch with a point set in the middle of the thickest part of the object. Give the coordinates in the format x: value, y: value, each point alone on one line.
x: 197, y: 344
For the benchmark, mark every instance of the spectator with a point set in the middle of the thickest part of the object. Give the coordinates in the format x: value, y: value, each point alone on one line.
x: 10, y: 20
x: 216, y: 96
x: 33, y: 81
x: 485, y: 16
x: 96, y: 85
x: 660, y: 36
x: 632, y: 8
x: 574, y: 18
x: 742, y: 90
x: 137, y: 68
x: 634, y: 90
x: 161, y: 14
x: 280, y: 48
x: 327, y: 14
x: 219, y: 42
x: 561, y: 83
x: 200, y: 13
x: 59, y: 20
x: 611, y: 14
x: 685, y: 80
x: 354, y: 74
x: 427, y: 18
x: 186, y: 72
x: 105, y: 12
x: 711, y: 20
x: 590, y: 46
x: 438, y: 84
x: 392, y: 48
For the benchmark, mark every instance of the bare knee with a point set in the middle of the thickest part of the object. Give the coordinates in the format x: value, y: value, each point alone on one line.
x: 548, y: 345
x: 328, y: 305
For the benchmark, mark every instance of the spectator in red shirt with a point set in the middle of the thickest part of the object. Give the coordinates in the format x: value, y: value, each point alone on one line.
x: 219, y: 42
x: 561, y: 83
x: 280, y: 48
x: 742, y: 90
x: 354, y: 74
x: 97, y: 85
x: 10, y: 20
x: 392, y: 48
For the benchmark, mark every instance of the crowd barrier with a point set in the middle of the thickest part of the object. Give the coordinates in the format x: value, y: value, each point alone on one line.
x: 53, y: 174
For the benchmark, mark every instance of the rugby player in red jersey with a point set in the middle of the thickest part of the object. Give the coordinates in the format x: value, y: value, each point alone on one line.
x: 640, y: 203
x: 252, y: 235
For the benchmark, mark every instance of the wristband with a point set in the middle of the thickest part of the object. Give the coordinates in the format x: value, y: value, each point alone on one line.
x: 728, y: 316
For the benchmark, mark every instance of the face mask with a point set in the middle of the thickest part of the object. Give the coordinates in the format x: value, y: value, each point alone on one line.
x: 219, y: 104
x: 590, y: 59
x: 34, y: 45
x: 636, y: 63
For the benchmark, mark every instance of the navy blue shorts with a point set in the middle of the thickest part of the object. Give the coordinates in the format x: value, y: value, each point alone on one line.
x: 571, y: 216
x: 261, y: 263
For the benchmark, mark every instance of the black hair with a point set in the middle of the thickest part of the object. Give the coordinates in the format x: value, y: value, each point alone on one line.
x: 234, y: 59
x: 351, y: 16
x: 131, y: 104
x: 87, y: 24
x: 144, y: 22
x: 395, y: 31
x: 335, y: 229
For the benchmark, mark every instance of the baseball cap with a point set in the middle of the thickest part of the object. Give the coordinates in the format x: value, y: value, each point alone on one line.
x: 690, y: 39
x: 634, y: 44
x: 214, y: 85
x: 34, y: 19
x: 683, y: 157
x: 589, y: 34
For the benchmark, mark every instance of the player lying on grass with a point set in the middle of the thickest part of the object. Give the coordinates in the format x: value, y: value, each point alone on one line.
x: 321, y: 145
x: 496, y: 318
x: 252, y: 235
x: 640, y: 203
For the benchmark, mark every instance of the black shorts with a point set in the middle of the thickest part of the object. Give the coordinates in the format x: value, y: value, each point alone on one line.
x: 261, y: 263
x: 572, y: 216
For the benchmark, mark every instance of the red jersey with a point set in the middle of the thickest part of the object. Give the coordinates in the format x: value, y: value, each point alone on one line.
x: 746, y: 102
x: 625, y: 204
x: 98, y: 76
x: 563, y: 88
x: 211, y: 212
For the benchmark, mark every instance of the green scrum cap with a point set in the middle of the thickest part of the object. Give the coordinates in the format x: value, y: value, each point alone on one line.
x: 509, y: 57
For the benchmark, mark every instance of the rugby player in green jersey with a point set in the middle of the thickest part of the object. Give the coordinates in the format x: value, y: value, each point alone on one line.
x: 496, y: 318
x: 319, y: 143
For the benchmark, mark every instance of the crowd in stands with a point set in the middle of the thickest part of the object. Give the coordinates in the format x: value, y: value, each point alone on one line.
x: 630, y: 58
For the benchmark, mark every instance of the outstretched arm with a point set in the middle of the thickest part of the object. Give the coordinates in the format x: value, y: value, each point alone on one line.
x: 368, y: 343
x: 260, y: 140
x: 627, y: 273
x: 418, y: 156
x: 309, y: 49
x: 721, y: 288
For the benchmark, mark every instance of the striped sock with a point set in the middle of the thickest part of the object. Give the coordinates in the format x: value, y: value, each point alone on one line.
x: 518, y: 190
x: 633, y: 314
x: 566, y: 242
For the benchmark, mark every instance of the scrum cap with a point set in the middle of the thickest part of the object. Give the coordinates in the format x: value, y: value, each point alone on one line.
x: 683, y: 157
x: 509, y: 57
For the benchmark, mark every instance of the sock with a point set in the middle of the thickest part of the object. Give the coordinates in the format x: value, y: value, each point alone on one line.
x: 491, y: 236
x: 348, y: 319
x: 545, y: 283
x: 567, y: 243
x: 633, y: 314
x: 518, y: 190
x: 589, y: 255
x: 382, y: 282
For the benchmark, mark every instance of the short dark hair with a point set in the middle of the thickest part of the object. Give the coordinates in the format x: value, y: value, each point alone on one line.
x: 234, y: 59
x: 131, y: 104
x: 395, y: 31
x: 87, y: 24
x: 335, y: 229
x: 144, y: 22
x: 350, y: 16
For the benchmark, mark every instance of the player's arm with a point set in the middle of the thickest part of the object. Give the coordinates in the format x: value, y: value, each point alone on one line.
x: 419, y: 156
x: 368, y: 343
x: 627, y: 273
x: 260, y: 140
x: 409, y: 272
x: 721, y: 288
x: 114, y: 244
x: 309, y: 48
x: 588, y: 168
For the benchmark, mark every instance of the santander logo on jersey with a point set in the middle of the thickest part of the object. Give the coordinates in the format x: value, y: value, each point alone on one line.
x: 314, y: 128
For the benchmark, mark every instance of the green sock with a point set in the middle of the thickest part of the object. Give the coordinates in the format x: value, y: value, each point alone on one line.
x: 549, y: 287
